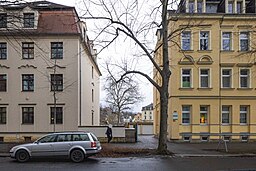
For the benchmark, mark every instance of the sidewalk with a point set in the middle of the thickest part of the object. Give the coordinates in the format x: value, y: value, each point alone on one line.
x: 179, y: 149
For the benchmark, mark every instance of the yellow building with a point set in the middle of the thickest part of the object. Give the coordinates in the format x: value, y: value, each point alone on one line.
x: 212, y: 92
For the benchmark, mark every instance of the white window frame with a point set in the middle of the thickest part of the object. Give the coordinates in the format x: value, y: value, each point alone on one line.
x: 209, y: 39
x: 248, y: 77
x: 231, y: 40
x: 204, y: 112
x: 209, y: 77
x: 233, y: 8
x: 191, y: 77
x: 231, y: 77
x: 244, y: 112
x: 190, y: 38
x: 226, y: 112
x: 249, y: 42
x: 186, y: 112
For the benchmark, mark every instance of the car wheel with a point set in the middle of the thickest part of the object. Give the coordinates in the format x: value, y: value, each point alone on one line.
x: 22, y: 156
x: 77, y: 156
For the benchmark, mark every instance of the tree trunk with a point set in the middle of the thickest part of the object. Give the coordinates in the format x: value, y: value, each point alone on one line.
x: 164, y: 95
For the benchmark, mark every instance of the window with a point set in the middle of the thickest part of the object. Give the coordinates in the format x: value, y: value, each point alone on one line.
x: 28, y: 115
x: 3, y: 82
x: 92, y: 72
x: 204, y: 78
x: 186, y: 40
x: 244, y: 78
x: 244, y: 138
x: 230, y: 7
x: 204, y: 40
x: 186, y: 78
x: 239, y: 7
x: 244, y: 41
x: 3, y: 51
x: 3, y: 20
x: 56, y: 50
x: 199, y: 6
x: 204, y: 138
x: 226, y: 78
x: 186, y: 138
x: 92, y: 95
x: 47, y: 139
x: 203, y: 114
x: 59, y: 115
x: 225, y: 114
x: 191, y: 7
x: 226, y: 41
x: 56, y: 82
x: 27, y: 50
x: 92, y: 117
x: 243, y: 114
x: 27, y: 82
x: 29, y: 20
x: 186, y: 114
x: 2, y: 115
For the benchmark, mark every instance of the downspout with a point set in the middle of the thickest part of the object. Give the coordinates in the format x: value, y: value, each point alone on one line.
x: 80, y: 86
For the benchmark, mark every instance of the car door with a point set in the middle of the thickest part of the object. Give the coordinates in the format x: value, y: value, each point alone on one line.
x: 62, y: 145
x: 44, y: 146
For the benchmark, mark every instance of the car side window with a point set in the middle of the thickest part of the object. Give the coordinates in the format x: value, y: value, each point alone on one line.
x: 47, y: 139
x: 76, y: 137
x: 85, y: 137
x: 61, y: 138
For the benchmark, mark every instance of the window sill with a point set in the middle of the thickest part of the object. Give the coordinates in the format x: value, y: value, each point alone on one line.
x: 185, y: 124
x: 244, y: 88
x: 243, y: 124
x: 27, y: 91
x: 225, y: 124
x: 27, y: 58
x: 202, y: 51
x: 227, y: 51
x: 27, y: 124
x: 203, y: 124
x: 2, y: 123
x: 227, y: 88
x: 206, y: 88
x: 183, y: 88
x: 186, y: 50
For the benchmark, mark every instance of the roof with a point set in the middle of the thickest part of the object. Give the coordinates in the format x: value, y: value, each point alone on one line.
x: 148, y: 107
x: 39, y: 5
x: 58, y: 22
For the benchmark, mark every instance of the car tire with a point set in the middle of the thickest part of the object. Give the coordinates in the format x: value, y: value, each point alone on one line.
x: 77, y: 156
x: 22, y: 156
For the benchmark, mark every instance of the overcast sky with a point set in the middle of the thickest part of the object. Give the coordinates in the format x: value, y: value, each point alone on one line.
x: 146, y: 87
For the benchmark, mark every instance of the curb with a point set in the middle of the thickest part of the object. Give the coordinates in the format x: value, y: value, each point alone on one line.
x: 215, y: 155
x: 4, y: 155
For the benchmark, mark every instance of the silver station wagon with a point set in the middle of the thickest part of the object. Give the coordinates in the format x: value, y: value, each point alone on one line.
x: 75, y: 145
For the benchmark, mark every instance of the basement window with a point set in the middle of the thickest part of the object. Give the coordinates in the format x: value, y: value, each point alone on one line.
x: 186, y: 138
x: 244, y: 138
x: 204, y: 138
x: 227, y: 138
x: 1, y: 139
x: 27, y: 139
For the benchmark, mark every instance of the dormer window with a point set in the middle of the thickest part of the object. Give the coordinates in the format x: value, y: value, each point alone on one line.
x: 3, y: 20
x: 191, y: 7
x: 29, y: 20
x: 230, y: 7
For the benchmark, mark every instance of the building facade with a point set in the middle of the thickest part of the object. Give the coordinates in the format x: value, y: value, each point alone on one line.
x: 212, y: 92
x: 147, y: 113
x: 49, y: 78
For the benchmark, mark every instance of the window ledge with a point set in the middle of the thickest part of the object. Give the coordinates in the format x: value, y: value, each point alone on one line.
x: 183, y: 88
x: 202, y: 124
x: 225, y: 124
x: 206, y: 88
x: 184, y: 124
x: 244, y: 88
x: 27, y: 91
x: 202, y: 51
x: 27, y: 124
x: 243, y: 124
x: 186, y: 50
x: 227, y: 88
x: 226, y: 51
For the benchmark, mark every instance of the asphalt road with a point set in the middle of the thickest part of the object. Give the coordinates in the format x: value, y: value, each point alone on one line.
x: 135, y: 164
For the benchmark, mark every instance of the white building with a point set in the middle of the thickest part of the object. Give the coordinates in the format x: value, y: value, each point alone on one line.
x: 147, y: 113
x: 44, y: 50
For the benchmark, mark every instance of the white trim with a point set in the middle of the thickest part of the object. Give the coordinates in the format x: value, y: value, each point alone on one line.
x: 191, y: 77
x: 249, y: 39
x: 209, y: 77
x: 248, y: 76
x: 231, y: 77
x: 231, y: 40
x: 209, y: 40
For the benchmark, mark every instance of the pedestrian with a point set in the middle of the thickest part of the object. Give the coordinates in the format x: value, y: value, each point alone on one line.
x: 109, y: 133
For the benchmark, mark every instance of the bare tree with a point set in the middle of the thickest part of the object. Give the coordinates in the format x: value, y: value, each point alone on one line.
x: 121, y: 95
x: 122, y: 18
